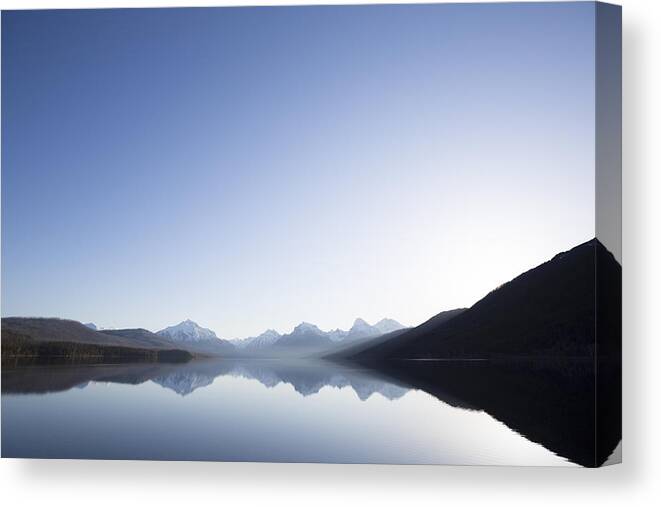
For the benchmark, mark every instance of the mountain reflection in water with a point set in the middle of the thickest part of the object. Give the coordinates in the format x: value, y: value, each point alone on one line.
x: 547, y: 402
x: 306, y: 377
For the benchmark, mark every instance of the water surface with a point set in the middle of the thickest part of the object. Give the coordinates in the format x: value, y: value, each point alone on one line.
x: 268, y: 410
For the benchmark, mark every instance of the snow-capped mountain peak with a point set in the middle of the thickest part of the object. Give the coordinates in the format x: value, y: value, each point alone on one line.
x: 188, y: 331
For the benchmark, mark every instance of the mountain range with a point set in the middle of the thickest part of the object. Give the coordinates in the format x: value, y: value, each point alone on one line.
x: 569, y: 306
x: 306, y: 334
x: 67, y: 339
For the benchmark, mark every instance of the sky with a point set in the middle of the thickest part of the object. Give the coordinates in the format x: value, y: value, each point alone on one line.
x: 252, y: 168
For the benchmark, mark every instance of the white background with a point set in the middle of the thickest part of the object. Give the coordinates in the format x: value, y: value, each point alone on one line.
x: 636, y: 482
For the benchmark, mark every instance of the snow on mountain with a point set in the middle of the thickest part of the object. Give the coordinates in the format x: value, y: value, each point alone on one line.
x: 187, y: 331
x: 337, y: 335
x: 303, y: 335
x: 268, y: 337
x: 388, y: 326
x: 306, y: 327
x: 307, y: 333
x: 360, y: 325
x: 361, y: 329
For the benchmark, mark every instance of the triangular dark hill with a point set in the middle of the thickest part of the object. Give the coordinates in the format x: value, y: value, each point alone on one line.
x: 547, y: 311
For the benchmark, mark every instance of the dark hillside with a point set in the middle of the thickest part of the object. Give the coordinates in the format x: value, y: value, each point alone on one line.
x: 547, y: 311
x: 38, y: 340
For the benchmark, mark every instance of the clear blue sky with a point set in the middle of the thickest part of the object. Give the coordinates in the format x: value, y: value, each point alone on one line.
x: 250, y: 168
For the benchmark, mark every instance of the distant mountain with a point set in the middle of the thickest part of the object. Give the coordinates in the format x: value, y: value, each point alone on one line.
x: 91, y: 325
x: 51, y: 339
x: 308, y: 340
x: 305, y: 335
x: 187, y: 331
x: 550, y: 310
x: 360, y: 329
x: 337, y: 335
x: 388, y: 326
x: 197, y: 339
x: 267, y: 338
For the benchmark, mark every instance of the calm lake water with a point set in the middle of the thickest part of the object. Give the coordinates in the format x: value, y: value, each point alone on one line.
x: 270, y: 410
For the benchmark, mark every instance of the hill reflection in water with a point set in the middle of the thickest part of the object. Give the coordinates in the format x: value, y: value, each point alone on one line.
x: 306, y: 377
x: 547, y: 402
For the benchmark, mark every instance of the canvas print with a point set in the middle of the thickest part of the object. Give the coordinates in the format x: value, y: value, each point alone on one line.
x: 320, y: 234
